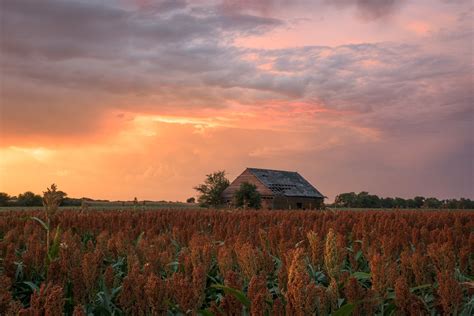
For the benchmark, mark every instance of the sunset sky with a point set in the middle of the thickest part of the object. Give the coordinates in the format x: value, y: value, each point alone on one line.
x: 117, y: 99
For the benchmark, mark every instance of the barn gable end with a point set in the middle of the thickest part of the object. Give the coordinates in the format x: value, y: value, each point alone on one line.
x: 249, y: 177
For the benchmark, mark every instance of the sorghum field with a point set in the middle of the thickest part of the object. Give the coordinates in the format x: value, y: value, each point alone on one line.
x: 171, y: 262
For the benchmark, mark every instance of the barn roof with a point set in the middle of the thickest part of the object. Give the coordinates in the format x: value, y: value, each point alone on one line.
x: 287, y: 183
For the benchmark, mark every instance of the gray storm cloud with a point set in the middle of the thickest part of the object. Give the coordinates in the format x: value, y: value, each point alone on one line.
x: 54, y: 51
x: 366, y: 9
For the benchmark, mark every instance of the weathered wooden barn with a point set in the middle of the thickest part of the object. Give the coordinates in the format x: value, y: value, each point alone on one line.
x: 278, y: 189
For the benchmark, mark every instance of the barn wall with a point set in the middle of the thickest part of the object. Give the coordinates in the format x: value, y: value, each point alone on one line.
x: 285, y: 203
x: 246, y: 176
x: 267, y: 202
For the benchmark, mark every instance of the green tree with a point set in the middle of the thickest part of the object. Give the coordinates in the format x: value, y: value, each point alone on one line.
x: 410, y: 203
x: 419, y: 200
x: 4, y: 199
x: 346, y: 200
x: 247, y: 196
x: 210, y: 192
x: 400, y: 202
x: 29, y: 199
x: 366, y: 200
x: 387, y: 202
x: 432, y: 203
x: 466, y: 203
x: 191, y: 200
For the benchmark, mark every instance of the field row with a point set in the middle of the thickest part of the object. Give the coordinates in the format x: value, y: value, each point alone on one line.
x: 240, y: 262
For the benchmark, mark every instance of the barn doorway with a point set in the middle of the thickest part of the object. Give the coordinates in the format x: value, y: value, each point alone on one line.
x: 299, y: 205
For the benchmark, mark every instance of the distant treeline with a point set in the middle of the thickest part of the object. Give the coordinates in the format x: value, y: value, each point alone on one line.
x: 32, y: 199
x: 350, y: 200
x: 366, y: 200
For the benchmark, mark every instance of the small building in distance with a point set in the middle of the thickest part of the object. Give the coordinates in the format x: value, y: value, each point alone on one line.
x: 279, y: 190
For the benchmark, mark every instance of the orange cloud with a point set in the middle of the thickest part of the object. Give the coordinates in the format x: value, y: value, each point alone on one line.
x: 164, y: 156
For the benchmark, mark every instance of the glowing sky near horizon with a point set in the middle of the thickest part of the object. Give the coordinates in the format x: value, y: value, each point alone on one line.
x: 117, y: 99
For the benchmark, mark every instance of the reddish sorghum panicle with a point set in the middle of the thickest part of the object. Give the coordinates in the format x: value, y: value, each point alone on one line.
x: 199, y: 278
x: 322, y: 300
x: 370, y: 302
x: 449, y: 292
x: 202, y: 251
x: 278, y: 309
x: 406, y: 302
x: 156, y: 294
x: 90, y: 270
x: 283, y: 278
x: 48, y: 301
x: 312, y: 299
x: 182, y: 292
x: 225, y: 259
x: 188, y: 290
x: 263, y: 239
x: 354, y: 293
x: 9, y: 260
x: 442, y: 256
x: 402, y: 295
x: 79, y: 311
x: 258, y: 295
x: 465, y: 254
x: 405, y: 266
x: 216, y: 310
x: 33, y: 257
x: 249, y: 259
x: 5, y: 295
x: 420, y: 268
x: 298, y: 282
x: 383, y: 273
x: 333, y: 294
x: 78, y: 286
x: 131, y: 298
x: 316, y: 247
x: 109, y: 277
x: 230, y: 304
x: 14, y: 308
x: 54, y: 303
x: 332, y: 255
x: 54, y: 274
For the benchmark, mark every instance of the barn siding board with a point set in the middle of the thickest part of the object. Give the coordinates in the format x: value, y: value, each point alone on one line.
x: 295, y: 203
